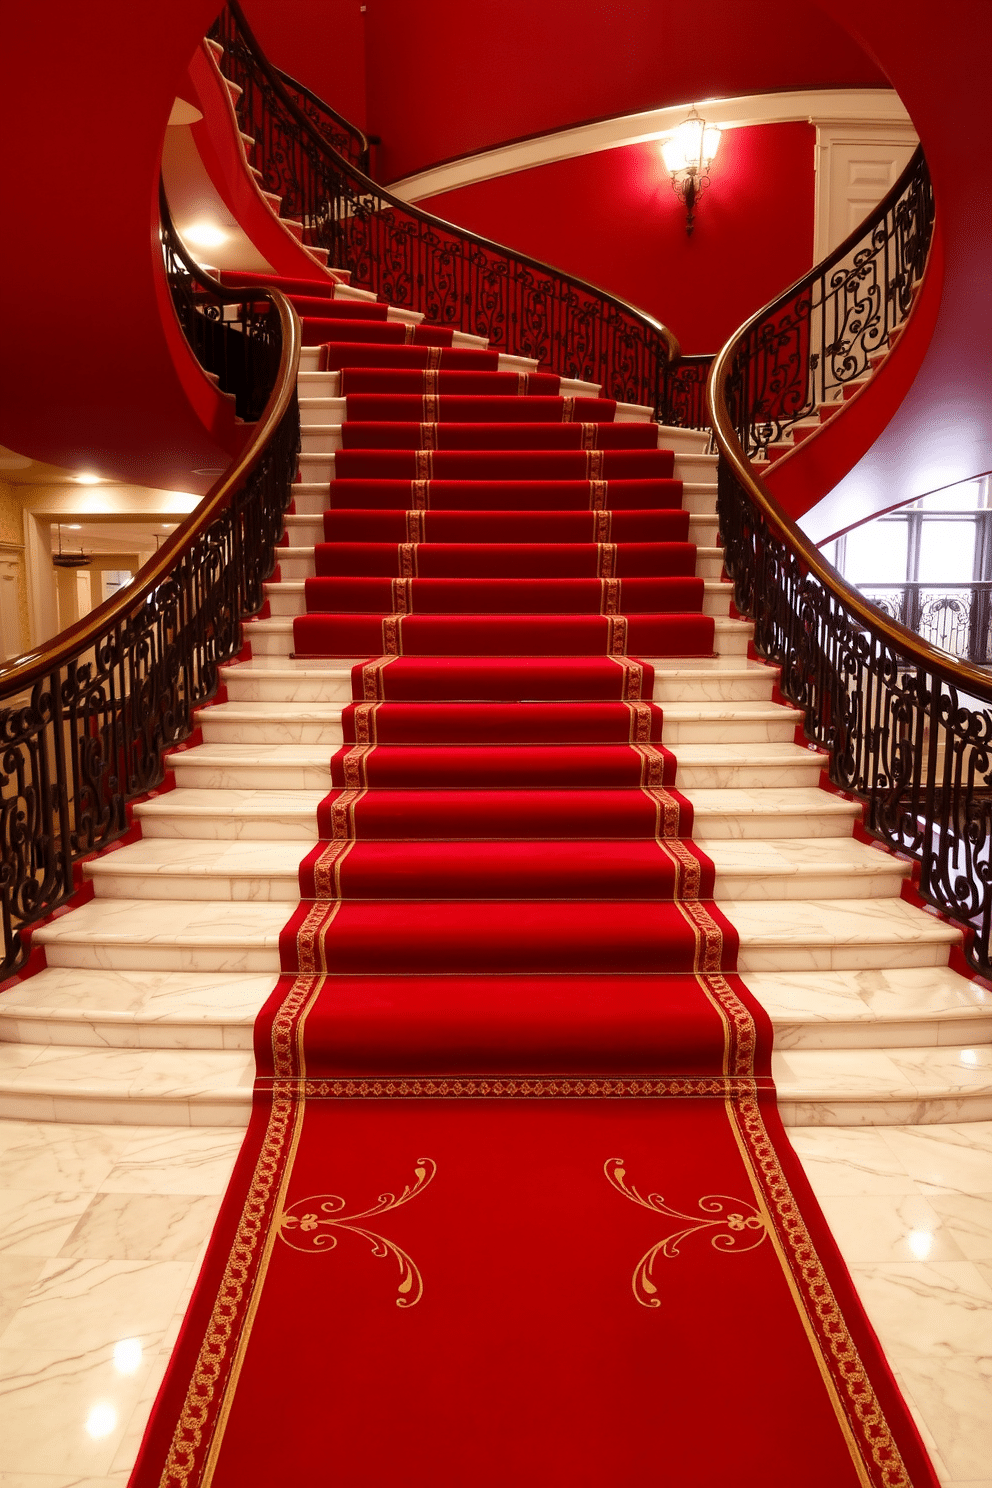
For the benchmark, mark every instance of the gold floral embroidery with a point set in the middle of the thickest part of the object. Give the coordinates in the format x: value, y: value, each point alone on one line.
x: 311, y: 1225
x: 733, y: 1225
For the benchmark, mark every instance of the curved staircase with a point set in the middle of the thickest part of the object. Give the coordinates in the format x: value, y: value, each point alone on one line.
x: 452, y: 499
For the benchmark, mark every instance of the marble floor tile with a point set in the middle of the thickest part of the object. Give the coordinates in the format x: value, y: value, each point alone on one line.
x: 33, y: 1223
x: 66, y: 1416
x: 956, y: 1158
x: 968, y: 1217
x: 954, y: 1396
x: 845, y: 1160
x: 82, y: 1304
x: 18, y: 1275
x: 50, y: 1157
x: 163, y: 1160
x: 142, y: 1227
x: 934, y: 1309
x: 889, y: 1227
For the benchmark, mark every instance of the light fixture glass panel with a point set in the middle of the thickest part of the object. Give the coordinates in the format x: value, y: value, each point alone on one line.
x: 673, y: 155
x: 947, y: 552
x: 690, y: 137
x: 711, y: 143
x: 876, y: 553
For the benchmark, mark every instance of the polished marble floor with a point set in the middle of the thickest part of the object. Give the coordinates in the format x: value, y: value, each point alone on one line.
x: 102, y: 1229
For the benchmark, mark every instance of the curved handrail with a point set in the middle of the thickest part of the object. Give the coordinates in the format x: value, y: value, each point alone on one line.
x: 24, y: 670
x: 86, y: 720
x: 326, y: 118
x: 907, y: 727
x: 818, y: 335
x: 411, y: 258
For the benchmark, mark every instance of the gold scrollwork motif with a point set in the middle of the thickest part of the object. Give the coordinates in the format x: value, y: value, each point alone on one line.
x: 311, y: 1224
x: 734, y: 1225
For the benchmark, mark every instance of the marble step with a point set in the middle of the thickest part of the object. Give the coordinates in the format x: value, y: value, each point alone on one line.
x: 775, y: 935
x: 316, y: 461
x: 159, y: 868
x: 310, y: 355
x: 212, y: 1087
x: 310, y: 498
x: 898, y: 1008
x: 275, y: 637
x: 304, y: 529
x: 884, y: 1087
x: 912, y: 1007
x: 304, y: 723
x: 233, y: 767
x: 291, y: 816
x: 141, y: 1087
x: 248, y: 815
x: 288, y: 767
x: 297, y: 564
x: 287, y: 679
x: 288, y: 597
x: 328, y: 412
x: 320, y: 385
x: 688, y: 441
x: 730, y: 766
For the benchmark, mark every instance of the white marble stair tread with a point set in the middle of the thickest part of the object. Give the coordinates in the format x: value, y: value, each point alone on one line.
x: 273, y: 723
x: 885, y: 1007
x: 692, y: 441
x: 790, y: 869
x: 288, y: 597
x: 691, y: 465
x: 773, y: 812
x: 884, y: 1087
x: 275, y: 637
x: 297, y: 564
x: 168, y: 868
x: 287, y: 679
x: 135, y: 1009
x: 258, y: 814
x: 737, y: 765
x: 207, y: 1087
x: 254, y: 767
x: 706, y: 721
x: 167, y: 935
x: 836, y: 934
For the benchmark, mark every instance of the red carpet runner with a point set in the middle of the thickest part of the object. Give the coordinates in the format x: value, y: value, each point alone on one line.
x: 515, y: 1206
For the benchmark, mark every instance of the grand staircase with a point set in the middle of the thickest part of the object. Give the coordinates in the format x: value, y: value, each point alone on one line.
x: 441, y: 484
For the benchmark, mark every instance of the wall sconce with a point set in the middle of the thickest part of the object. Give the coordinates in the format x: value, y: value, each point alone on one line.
x: 688, y: 154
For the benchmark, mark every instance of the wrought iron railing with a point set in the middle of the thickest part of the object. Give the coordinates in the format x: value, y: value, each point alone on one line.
x: 906, y: 727
x: 86, y: 720
x: 820, y: 335
x: 414, y: 260
x: 957, y: 617
x: 347, y: 139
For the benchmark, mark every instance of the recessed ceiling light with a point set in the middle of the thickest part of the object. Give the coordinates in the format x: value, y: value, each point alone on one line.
x: 74, y: 526
x: 204, y: 235
x: 86, y: 478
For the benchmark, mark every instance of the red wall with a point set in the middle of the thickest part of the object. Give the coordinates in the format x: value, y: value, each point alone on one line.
x: 321, y: 43
x: 612, y: 218
x: 95, y: 369
x: 457, y: 76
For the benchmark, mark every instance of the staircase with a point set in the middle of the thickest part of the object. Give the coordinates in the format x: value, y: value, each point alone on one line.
x: 144, y: 1011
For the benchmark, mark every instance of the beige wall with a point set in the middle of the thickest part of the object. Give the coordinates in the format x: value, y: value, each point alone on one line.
x: 12, y: 557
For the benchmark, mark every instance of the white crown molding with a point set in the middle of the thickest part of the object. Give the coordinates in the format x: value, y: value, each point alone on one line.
x: 864, y: 106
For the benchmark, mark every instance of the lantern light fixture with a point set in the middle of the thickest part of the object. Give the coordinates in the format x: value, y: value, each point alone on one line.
x: 688, y: 155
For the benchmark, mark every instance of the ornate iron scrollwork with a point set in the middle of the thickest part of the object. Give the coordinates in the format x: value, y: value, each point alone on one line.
x: 456, y: 279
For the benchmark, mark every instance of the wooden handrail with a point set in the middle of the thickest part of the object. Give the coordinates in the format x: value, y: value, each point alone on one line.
x: 25, y: 670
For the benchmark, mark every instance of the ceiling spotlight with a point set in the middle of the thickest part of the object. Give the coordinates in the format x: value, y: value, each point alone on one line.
x: 204, y: 235
x: 688, y: 155
x: 86, y: 478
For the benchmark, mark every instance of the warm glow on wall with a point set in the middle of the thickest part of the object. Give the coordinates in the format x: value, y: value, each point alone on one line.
x: 204, y: 235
